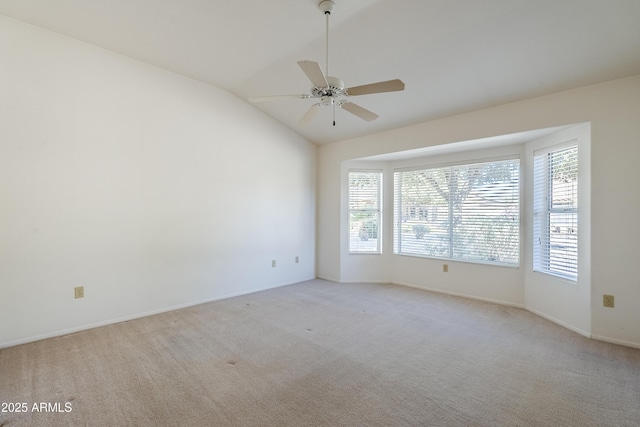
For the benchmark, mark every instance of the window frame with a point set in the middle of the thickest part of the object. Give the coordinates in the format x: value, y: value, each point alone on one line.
x: 542, y: 224
x: 377, y: 211
x: 398, y: 217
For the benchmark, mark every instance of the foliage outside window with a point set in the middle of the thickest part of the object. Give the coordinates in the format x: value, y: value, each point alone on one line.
x: 365, y: 213
x: 465, y: 212
x: 555, y: 231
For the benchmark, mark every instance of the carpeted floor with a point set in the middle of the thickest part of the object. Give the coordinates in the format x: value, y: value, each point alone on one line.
x: 321, y: 353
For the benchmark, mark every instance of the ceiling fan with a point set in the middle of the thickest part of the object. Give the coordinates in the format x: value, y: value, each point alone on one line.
x: 330, y: 90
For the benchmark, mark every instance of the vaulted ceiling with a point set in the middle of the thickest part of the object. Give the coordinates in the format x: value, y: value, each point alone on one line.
x: 453, y: 55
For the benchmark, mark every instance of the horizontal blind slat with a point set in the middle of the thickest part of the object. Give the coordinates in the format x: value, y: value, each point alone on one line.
x: 472, y: 209
x: 365, y: 194
x: 556, y: 212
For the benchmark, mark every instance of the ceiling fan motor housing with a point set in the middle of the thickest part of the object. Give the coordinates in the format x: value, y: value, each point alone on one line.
x: 335, y: 88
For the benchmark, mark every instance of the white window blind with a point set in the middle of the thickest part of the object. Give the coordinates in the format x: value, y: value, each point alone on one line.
x: 468, y: 212
x: 365, y: 200
x: 555, y: 231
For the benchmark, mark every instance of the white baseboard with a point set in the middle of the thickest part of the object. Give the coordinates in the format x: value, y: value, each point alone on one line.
x: 376, y: 282
x: 560, y: 322
x: 459, y: 294
x: 536, y: 312
x: 113, y: 321
x: 250, y: 291
x: 616, y: 341
x: 329, y: 279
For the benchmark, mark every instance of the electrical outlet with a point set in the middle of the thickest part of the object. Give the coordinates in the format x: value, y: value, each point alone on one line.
x: 273, y: 263
x: 78, y: 292
x: 608, y: 301
x: 445, y: 268
x: 297, y: 259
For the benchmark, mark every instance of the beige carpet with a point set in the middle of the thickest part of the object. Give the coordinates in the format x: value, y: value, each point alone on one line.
x: 321, y: 353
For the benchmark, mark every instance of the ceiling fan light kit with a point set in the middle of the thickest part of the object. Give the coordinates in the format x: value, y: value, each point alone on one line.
x: 331, y: 89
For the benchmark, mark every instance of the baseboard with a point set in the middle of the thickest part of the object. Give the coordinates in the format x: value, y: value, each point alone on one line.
x: 459, y: 294
x: 536, y: 312
x: 251, y: 291
x: 376, y: 282
x: 560, y: 322
x: 113, y: 321
x: 329, y: 279
x: 616, y: 341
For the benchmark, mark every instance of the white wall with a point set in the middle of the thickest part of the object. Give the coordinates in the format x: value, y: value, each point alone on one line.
x: 151, y: 190
x: 491, y: 283
x: 612, y: 108
x: 565, y: 302
x: 365, y: 267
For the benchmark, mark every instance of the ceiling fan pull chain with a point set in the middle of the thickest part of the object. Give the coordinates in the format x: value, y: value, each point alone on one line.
x: 334, y: 113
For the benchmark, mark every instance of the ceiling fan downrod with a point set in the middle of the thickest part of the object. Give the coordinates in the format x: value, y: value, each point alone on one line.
x: 327, y: 7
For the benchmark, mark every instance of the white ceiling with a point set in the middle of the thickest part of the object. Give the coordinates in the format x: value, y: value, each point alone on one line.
x: 453, y: 55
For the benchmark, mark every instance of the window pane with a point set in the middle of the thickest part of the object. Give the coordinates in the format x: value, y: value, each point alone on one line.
x: 364, y: 189
x: 563, y: 171
x: 556, y: 212
x: 365, y: 193
x: 486, y: 217
x: 563, y: 243
x: 424, y: 212
x: 468, y: 212
x: 363, y: 231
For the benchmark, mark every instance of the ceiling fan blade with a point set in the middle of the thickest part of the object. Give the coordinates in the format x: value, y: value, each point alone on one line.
x: 278, y: 97
x: 387, y: 86
x: 314, y: 73
x: 310, y: 114
x: 357, y: 110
